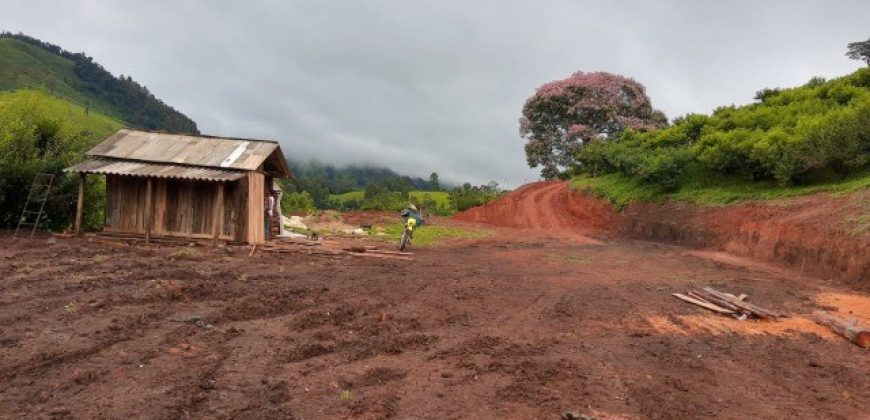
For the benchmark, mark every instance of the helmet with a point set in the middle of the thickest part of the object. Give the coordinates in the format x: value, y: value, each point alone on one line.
x: 405, y: 212
x: 412, y: 207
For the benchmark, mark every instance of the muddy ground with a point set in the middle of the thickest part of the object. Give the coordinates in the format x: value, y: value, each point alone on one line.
x: 520, y: 324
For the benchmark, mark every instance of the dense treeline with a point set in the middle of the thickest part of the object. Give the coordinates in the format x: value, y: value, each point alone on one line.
x: 320, y: 180
x: 791, y: 136
x: 125, y: 98
x: 380, y: 189
x: 340, y: 180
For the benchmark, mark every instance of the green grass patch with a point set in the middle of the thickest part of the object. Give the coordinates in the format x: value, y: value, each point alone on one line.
x: 621, y: 190
x: 348, y: 196
x: 442, y: 198
x: 428, y: 235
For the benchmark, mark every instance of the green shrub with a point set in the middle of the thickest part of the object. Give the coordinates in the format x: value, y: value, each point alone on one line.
x: 789, y: 137
x: 43, y: 134
x: 297, y: 202
x: 467, y: 196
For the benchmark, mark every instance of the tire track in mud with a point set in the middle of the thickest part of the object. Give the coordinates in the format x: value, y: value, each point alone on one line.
x: 43, y: 361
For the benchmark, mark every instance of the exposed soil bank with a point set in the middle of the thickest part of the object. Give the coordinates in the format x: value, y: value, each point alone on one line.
x: 818, y: 234
x: 812, y: 234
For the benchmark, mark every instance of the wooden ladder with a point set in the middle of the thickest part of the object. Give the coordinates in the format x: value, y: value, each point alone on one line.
x: 38, y: 195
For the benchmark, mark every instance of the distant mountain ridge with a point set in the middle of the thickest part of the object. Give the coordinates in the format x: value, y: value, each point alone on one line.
x: 342, y: 179
x: 28, y: 63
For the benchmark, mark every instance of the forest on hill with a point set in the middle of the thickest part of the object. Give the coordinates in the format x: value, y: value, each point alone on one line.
x: 29, y: 63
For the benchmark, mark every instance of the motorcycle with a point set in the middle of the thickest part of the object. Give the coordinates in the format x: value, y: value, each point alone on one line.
x: 407, y: 233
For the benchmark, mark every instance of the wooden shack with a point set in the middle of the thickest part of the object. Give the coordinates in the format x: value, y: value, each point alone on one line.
x: 160, y: 184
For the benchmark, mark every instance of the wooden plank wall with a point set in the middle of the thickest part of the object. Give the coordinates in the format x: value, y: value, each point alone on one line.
x: 181, y: 207
x: 256, y: 217
x: 125, y: 204
x: 231, y: 209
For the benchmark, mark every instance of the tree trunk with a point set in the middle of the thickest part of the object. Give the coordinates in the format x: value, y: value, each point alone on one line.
x: 848, y: 328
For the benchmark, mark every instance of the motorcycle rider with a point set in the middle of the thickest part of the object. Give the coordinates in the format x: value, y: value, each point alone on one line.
x: 411, y: 211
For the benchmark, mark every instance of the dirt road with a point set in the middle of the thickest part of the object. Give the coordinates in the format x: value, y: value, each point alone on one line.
x: 521, y: 324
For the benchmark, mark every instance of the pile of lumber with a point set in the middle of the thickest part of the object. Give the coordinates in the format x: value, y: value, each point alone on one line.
x: 331, y: 249
x: 727, y: 304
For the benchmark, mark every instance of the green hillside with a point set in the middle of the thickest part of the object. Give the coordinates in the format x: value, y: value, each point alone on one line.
x: 27, y: 63
x: 25, y: 66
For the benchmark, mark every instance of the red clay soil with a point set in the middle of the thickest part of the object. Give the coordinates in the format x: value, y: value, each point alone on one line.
x: 820, y: 234
x: 520, y: 324
x: 547, y: 205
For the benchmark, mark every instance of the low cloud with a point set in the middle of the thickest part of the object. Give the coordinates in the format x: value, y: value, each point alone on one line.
x: 436, y: 86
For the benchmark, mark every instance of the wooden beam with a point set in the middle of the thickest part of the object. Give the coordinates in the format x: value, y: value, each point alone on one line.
x: 703, y: 304
x: 746, y: 306
x: 80, y: 205
x: 848, y: 328
x: 217, y: 214
x: 149, y: 209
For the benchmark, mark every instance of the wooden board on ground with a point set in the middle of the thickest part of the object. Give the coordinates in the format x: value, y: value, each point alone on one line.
x: 703, y: 304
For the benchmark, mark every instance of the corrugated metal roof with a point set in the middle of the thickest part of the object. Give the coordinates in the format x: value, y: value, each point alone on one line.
x: 159, y: 170
x: 213, y: 152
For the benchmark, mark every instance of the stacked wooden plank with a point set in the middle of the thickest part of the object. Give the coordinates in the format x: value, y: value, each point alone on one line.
x: 727, y: 304
x: 332, y: 249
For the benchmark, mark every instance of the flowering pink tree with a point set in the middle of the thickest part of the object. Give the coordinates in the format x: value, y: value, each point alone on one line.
x: 564, y: 114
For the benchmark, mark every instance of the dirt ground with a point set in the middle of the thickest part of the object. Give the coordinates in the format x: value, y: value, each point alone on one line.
x: 525, y: 323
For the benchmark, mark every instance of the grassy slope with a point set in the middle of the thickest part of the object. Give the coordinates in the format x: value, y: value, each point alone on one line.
x: 98, y: 126
x: 348, y: 196
x: 25, y: 66
x: 621, y: 190
x: 440, y: 197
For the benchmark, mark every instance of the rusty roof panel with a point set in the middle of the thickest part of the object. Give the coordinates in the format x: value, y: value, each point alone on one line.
x: 158, y: 170
x: 213, y: 152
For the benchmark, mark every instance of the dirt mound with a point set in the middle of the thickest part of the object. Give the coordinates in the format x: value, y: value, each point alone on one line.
x: 547, y: 205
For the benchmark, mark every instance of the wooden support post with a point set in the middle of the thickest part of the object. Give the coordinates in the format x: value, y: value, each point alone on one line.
x: 217, y: 214
x: 80, y: 205
x: 149, y: 209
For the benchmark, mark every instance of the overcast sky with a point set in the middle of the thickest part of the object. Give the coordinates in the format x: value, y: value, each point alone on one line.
x: 439, y: 85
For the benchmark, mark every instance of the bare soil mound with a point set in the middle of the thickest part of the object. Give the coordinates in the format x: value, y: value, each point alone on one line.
x: 543, y: 206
